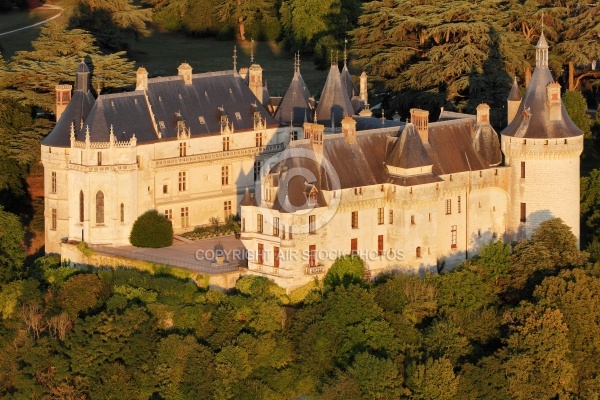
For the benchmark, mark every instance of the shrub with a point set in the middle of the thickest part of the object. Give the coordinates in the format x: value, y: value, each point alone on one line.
x: 151, y: 229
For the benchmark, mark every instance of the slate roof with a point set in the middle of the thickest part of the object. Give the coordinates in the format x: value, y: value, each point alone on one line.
x: 295, y: 103
x: 487, y: 144
x: 515, y: 93
x: 532, y: 119
x: 334, y: 101
x: 348, y: 83
x: 82, y: 101
x: 408, y: 151
x: 168, y: 99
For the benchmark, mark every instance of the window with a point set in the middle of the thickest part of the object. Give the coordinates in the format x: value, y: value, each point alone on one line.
x: 257, y: 165
x: 429, y: 217
x: 182, y: 181
x: 312, y: 197
x: 522, y: 169
x: 380, y: 245
x: 122, y: 212
x: 259, y: 254
x: 138, y: 161
x: 418, y: 252
x: 182, y: 149
x: 259, y: 223
x: 523, y: 212
x: 169, y: 215
x: 312, y: 225
x: 380, y: 216
x: 99, y: 158
x: 53, y: 225
x: 412, y: 219
x: 227, y: 209
x: 237, y: 114
x: 202, y: 120
x: 53, y: 184
x: 185, y: 217
x: 448, y: 206
x: 291, y: 233
x: 226, y: 143
x: 259, y: 139
x: 354, y: 246
x: 479, y: 232
x: 225, y: 175
x: 458, y: 205
x: 354, y: 219
x: 391, y: 217
x: 453, y: 237
x: 165, y: 189
x: 99, y: 207
x: 275, y: 226
x: 243, y: 224
x: 312, y: 254
x: 81, y: 214
x: 276, y: 257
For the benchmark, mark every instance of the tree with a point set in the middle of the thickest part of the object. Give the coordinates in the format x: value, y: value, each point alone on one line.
x: 151, y: 229
x: 345, y: 270
x: 242, y: 13
x: 576, y: 107
x: 54, y: 59
x: 12, y: 252
x: 435, y: 379
x: 319, y: 27
x: 494, y: 260
x: 536, y: 358
x: 81, y: 293
x: 110, y: 21
x: 590, y: 203
x: 436, y: 48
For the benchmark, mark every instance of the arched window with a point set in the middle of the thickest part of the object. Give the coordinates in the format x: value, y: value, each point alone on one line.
x: 99, y: 207
x: 419, y: 252
x: 81, y: 206
x: 122, y: 212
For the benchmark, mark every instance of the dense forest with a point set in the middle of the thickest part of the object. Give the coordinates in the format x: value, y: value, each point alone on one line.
x: 518, y: 321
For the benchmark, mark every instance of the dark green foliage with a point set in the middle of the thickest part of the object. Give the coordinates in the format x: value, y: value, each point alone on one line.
x: 346, y: 270
x: 576, y: 107
x: 81, y: 293
x: 151, y: 229
x: 12, y: 252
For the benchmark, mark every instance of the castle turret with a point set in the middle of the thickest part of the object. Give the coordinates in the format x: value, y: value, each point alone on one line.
x: 542, y: 147
x: 420, y: 119
x: 513, y: 102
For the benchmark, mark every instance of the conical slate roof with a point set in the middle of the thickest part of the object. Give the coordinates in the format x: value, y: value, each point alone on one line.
x: 409, y: 151
x: 334, y: 102
x: 295, y: 103
x: 533, y: 117
x: 515, y: 94
x: 348, y: 83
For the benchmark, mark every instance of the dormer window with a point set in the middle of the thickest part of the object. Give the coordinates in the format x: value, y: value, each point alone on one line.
x: 238, y: 115
x: 202, y: 120
x: 312, y: 197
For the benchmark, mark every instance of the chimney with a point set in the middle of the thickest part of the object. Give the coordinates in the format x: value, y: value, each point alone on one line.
x: 141, y: 79
x: 185, y: 71
x: 63, y: 97
x: 420, y: 119
x: 483, y: 114
x: 363, y: 88
x: 554, y: 103
x: 315, y: 133
x: 349, y: 129
x: 255, y: 81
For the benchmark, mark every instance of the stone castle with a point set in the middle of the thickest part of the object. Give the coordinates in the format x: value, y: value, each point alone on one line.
x: 310, y: 180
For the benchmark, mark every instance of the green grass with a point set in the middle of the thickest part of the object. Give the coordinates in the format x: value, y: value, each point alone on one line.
x: 162, y: 52
x: 16, y: 19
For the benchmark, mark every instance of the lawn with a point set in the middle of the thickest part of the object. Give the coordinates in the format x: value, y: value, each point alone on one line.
x: 162, y: 53
x: 16, y: 19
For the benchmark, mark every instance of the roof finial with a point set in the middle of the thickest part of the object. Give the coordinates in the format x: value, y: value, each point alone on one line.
x: 234, y: 58
x: 542, y: 22
x: 252, y: 51
x: 345, y: 55
x: 298, y: 61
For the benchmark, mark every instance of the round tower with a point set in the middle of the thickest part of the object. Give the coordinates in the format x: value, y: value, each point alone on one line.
x: 542, y: 147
